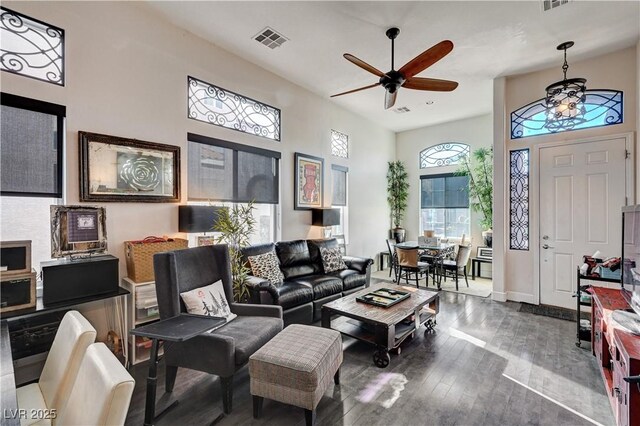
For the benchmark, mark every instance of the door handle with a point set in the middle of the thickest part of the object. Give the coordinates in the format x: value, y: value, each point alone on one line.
x: 546, y: 246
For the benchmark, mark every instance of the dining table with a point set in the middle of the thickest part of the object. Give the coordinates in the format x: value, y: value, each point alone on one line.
x: 433, y: 253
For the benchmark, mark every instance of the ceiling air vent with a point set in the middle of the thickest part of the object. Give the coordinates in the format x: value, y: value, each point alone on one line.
x: 552, y: 4
x: 270, y: 38
x: 402, y: 110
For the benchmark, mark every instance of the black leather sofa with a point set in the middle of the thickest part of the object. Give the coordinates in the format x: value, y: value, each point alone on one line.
x: 306, y: 287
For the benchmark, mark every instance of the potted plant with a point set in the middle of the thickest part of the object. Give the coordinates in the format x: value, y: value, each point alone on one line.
x: 479, y: 168
x: 397, y: 195
x: 236, y: 224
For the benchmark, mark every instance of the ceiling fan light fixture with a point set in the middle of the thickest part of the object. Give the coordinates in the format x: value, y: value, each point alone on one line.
x: 564, y: 99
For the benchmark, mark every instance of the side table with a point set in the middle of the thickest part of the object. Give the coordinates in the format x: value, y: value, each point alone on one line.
x: 176, y: 329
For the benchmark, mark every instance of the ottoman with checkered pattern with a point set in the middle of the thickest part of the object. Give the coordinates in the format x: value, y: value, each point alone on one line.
x: 296, y: 367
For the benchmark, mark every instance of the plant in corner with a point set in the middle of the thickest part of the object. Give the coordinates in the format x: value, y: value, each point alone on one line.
x: 397, y: 195
x: 479, y: 168
x: 236, y: 224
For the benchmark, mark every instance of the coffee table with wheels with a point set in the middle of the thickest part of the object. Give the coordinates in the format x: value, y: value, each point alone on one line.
x: 385, y: 328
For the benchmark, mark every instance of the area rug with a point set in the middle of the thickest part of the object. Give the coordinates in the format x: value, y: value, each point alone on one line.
x: 552, y: 311
x: 480, y: 287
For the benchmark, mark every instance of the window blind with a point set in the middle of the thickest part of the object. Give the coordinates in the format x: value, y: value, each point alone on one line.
x: 339, y: 187
x: 31, y: 143
x: 220, y: 170
x: 444, y: 191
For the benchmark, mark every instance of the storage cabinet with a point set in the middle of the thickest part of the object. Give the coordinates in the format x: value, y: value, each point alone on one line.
x: 143, y: 309
x: 618, y: 355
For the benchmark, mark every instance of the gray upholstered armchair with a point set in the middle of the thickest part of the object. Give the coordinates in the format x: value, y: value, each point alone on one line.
x: 225, y: 350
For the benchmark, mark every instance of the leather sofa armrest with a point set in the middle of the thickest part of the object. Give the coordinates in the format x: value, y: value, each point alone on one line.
x: 360, y: 264
x: 257, y: 285
x: 251, y: 310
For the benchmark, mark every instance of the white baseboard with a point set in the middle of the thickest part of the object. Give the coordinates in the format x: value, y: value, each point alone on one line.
x: 516, y: 296
x: 499, y: 297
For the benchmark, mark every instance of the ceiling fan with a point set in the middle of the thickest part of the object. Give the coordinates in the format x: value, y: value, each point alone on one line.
x: 404, y: 77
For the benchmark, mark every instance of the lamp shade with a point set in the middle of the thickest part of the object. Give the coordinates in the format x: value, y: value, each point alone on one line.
x: 197, y: 218
x: 325, y: 217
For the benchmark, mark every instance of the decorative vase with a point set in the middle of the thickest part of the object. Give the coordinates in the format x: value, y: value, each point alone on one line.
x: 487, y: 237
x: 398, y: 234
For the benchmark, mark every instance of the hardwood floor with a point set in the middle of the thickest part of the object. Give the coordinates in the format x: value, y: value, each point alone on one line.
x: 486, y: 364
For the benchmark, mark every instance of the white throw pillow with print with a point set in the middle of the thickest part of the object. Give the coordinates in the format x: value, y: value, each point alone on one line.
x: 208, y: 300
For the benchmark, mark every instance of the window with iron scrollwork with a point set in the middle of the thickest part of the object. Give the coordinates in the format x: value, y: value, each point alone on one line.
x: 31, y: 47
x: 215, y: 105
x: 444, y: 154
x: 339, y: 144
x: 519, y: 199
x: 601, y: 108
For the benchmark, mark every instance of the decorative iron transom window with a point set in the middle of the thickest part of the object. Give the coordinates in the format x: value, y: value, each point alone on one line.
x: 215, y: 105
x: 31, y: 48
x: 519, y: 199
x: 339, y: 144
x: 445, y: 154
x: 601, y: 108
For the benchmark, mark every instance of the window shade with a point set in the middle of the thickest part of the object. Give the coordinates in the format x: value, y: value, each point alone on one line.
x: 444, y: 191
x: 31, y: 147
x: 225, y: 171
x: 339, y: 187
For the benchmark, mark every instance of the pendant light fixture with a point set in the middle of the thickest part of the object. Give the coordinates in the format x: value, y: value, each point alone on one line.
x: 565, y: 99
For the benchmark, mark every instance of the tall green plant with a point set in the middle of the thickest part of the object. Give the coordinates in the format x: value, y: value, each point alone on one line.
x: 397, y: 191
x: 479, y: 168
x: 236, y: 224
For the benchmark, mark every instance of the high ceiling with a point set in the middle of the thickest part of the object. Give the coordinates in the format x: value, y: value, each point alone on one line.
x: 491, y: 39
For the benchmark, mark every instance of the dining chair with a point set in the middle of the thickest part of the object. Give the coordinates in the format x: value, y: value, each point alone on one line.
x: 408, y: 264
x: 101, y: 393
x: 393, y: 261
x: 73, y: 337
x: 454, y: 268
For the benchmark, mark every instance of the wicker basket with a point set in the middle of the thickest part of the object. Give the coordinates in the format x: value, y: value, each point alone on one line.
x: 139, y: 255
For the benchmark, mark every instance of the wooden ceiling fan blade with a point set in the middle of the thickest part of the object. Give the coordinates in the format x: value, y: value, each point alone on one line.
x: 362, y: 64
x: 355, y: 90
x: 390, y: 99
x: 426, y: 59
x: 433, y: 84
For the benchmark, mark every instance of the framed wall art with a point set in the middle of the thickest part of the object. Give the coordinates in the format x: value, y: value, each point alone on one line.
x: 121, y: 170
x: 309, y: 181
x: 78, y: 230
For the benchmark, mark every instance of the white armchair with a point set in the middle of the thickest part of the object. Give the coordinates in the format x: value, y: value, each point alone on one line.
x: 101, y: 393
x: 73, y: 337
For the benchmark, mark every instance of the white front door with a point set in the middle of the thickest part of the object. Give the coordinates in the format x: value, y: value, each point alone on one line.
x: 582, y: 191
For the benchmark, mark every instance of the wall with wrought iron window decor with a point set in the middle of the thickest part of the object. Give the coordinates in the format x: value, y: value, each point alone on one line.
x: 475, y: 132
x: 126, y: 75
x: 616, y: 71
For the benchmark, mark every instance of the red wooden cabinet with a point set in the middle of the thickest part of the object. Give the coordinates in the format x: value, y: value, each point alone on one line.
x: 618, y: 354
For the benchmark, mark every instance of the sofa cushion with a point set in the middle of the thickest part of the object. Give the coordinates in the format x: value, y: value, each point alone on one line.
x: 266, y: 266
x: 295, y: 259
x: 322, y: 285
x: 292, y: 293
x: 255, y: 250
x: 314, y: 251
x: 350, y: 278
x: 332, y: 259
x: 250, y: 334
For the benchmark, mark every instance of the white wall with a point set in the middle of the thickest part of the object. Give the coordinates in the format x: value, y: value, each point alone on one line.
x: 615, y: 70
x: 476, y: 132
x: 126, y: 73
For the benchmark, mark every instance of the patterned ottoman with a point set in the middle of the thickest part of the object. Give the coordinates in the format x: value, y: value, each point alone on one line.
x: 296, y: 367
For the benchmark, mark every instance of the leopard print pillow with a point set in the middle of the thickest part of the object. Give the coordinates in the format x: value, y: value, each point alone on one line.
x: 266, y: 266
x: 332, y: 259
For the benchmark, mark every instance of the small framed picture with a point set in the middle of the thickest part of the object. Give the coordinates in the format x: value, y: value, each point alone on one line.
x: 309, y: 181
x: 485, y: 253
x: 206, y: 241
